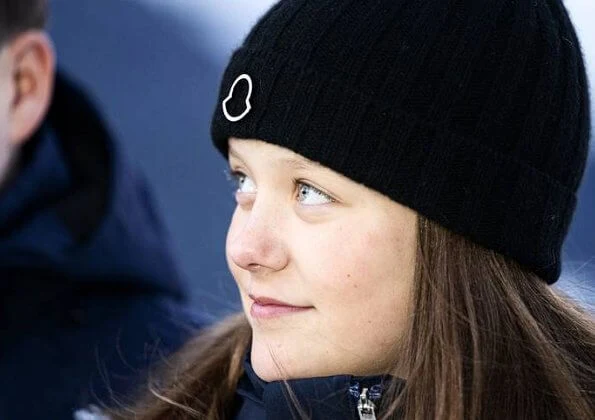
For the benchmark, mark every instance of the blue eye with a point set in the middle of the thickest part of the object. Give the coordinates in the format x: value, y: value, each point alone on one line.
x: 310, y: 196
x: 242, y: 182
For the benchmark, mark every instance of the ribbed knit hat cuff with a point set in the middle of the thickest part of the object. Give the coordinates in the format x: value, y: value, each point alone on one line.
x: 453, y: 180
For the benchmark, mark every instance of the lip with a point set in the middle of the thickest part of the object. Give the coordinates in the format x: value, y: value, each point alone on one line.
x: 265, y: 307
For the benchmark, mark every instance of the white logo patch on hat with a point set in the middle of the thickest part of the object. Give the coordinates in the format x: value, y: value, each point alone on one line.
x: 247, y: 100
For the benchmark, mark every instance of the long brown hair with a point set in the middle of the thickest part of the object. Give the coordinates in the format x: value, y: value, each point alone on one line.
x: 487, y: 340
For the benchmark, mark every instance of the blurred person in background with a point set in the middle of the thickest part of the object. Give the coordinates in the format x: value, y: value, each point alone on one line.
x: 156, y: 78
x: 90, y: 293
x: 406, y: 173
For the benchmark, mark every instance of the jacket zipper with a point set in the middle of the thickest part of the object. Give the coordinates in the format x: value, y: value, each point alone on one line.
x: 365, y: 407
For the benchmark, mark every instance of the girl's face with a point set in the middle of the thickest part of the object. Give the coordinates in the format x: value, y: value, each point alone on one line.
x: 339, y: 256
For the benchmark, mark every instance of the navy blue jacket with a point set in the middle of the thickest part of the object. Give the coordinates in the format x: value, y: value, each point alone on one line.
x: 323, y: 398
x: 89, y: 291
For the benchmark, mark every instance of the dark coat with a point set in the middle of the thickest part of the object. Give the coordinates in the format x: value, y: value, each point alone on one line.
x: 90, y: 292
x: 323, y: 398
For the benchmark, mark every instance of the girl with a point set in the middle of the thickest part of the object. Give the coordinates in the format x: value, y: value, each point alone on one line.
x: 406, y: 174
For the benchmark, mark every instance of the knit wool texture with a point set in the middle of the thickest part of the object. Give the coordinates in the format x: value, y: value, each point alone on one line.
x: 474, y: 113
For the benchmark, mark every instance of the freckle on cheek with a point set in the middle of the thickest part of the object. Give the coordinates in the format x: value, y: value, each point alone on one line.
x: 355, y: 285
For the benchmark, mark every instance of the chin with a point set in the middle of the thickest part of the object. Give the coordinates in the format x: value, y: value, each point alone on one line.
x: 266, y: 372
x: 267, y: 368
x: 275, y: 362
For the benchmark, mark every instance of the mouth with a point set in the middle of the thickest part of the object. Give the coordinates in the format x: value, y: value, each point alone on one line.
x: 266, y: 308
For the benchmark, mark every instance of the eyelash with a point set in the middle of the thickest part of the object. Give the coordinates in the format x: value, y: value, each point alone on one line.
x: 234, y: 175
x: 297, y: 183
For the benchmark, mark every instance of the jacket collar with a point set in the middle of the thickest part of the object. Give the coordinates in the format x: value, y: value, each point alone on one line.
x: 319, y: 398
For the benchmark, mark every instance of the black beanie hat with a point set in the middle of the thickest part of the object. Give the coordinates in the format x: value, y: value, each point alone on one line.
x: 474, y: 113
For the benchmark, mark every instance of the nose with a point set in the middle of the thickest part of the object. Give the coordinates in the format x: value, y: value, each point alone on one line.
x: 255, y: 242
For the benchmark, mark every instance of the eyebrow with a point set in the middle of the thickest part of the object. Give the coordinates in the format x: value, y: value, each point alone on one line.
x: 298, y: 164
x: 292, y: 162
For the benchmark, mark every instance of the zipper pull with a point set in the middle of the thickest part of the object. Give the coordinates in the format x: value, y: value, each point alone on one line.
x: 365, y: 407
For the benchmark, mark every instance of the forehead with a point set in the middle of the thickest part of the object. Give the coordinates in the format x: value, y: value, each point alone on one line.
x: 258, y: 150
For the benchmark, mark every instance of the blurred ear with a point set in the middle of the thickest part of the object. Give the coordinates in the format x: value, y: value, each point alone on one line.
x: 33, y: 67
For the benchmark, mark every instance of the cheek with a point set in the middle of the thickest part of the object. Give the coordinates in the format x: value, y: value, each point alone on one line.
x: 362, y: 282
x: 350, y: 262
